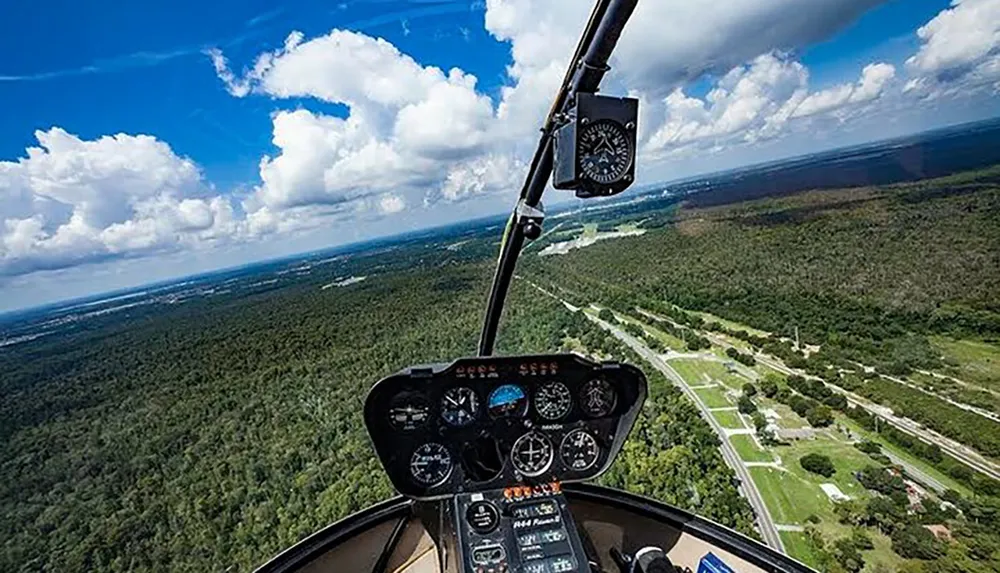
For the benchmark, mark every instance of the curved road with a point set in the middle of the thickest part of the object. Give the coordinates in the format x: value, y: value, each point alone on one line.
x: 764, y: 521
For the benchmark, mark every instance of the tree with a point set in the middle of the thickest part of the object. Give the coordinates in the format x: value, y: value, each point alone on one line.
x: 732, y: 353
x: 818, y: 464
x: 819, y: 416
x: 606, y: 315
x: 847, y: 555
x: 746, y: 405
x: 916, y: 542
x: 849, y: 512
x: 749, y: 390
x: 869, y: 447
x: 769, y: 386
x: 861, y: 540
x: 836, y: 401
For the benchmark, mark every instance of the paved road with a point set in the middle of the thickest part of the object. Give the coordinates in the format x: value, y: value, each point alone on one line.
x: 916, y: 473
x: 961, y: 452
x: 764, y: 521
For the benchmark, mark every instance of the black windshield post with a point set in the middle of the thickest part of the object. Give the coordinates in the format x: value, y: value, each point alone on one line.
x: 584, y: 75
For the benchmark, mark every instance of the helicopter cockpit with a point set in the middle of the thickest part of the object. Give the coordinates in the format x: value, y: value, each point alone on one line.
x: 491, y: 454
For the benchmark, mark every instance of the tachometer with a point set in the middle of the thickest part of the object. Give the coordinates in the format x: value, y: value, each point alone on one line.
x: 532, y: 454
x: 598, y: 398
x: 408, y: 411
x: 553, y: 401
x: 459, y: 406
x: 430, y: 464
x: 579, y: 450
x: 507, y: 401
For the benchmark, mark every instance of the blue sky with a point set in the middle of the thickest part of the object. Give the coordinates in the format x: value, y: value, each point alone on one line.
x: 219, y: 164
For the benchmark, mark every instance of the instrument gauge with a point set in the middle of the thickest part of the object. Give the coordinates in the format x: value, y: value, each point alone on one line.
x: 531, y: 454
x: 598, y: 398
x: 459, y: 406
x: 408, y: 411
x: 430, y: 464
x: 553, y: 401
x: 579, y: 450
x: 507, y: 401
x: 605, y: 152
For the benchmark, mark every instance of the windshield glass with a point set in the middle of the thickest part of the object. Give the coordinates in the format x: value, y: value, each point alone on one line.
x: 222, y: 224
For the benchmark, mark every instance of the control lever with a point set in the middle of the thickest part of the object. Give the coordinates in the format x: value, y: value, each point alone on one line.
x: 646, y: 560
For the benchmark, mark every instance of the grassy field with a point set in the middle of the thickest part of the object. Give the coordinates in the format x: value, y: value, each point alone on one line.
x: 698, y: 372
x: 668, y: 340
x: 846, y: 459
x: 729, y: 419
x: 798, y: 546
x: 978, y: 362
x: 729, y: 324
x: 748, y: 450
x: 713, y: 397
x: 789, y: 498
x: 788, y: 418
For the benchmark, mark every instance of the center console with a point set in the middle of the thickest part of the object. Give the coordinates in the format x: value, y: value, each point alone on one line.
x: 527, y: 529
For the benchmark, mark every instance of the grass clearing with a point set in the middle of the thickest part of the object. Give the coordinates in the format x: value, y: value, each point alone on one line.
x: 977, y: 362
x: 671, y: 342
x: 713, y: 398
x: 798, y: 546
x: 729, y: 419
x: 789, y: 498
x: 748, y: 449
x: 728, y: 323
x: 845, y: 457
x: 697, y: 372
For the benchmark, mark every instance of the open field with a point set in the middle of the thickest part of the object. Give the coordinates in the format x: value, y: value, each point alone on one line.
x: 977, y: 362
x: 729, y: 324
x: 748, y: 450
x: 789, y: 498
x: 798, y: 546
x: 668, y: 340
x: 713, y: 397
x: 846, y: 459
x: 698, y: 372
x: 729, y: 419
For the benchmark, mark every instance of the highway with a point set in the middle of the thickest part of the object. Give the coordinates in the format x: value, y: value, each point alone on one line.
x: 961, y: 452
x: 765, y: 524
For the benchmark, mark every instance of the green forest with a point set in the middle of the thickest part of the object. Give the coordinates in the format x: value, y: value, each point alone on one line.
x: 215, y: 435
x: 211, y: 434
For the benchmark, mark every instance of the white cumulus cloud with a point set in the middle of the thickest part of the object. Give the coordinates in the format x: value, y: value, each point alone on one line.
x: 72, y: 201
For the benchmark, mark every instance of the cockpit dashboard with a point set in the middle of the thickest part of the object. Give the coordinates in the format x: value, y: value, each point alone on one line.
x: 481, y: 424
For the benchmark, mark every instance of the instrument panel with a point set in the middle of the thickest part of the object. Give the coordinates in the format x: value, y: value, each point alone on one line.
x: 480, y: 424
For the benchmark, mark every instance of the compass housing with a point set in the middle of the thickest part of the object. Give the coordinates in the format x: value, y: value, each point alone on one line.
x: 594, y: 151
